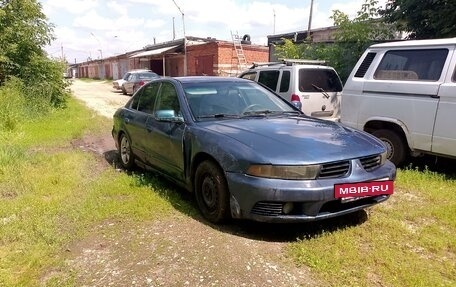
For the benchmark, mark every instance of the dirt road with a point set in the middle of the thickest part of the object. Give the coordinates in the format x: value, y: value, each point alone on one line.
x: 179, y: 251
x: 99, y: 96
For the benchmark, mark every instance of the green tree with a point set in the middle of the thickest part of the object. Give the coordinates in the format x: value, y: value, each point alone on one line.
x: 422, y: 19
x: 350, y: 40
x: 24, y: 32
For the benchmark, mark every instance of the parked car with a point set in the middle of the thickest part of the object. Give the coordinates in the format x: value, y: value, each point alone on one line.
x: 405, y: 94
x: 310, y: 85
x: 136, y: 80
x: 117, y: 84
x: 245, y: 152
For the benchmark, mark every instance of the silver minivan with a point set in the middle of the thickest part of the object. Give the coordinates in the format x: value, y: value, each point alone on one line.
x: 309, y: 84
x: 405, y: 94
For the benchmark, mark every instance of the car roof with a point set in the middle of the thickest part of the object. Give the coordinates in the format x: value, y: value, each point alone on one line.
x: 208, y: 79
x: 414, y: 43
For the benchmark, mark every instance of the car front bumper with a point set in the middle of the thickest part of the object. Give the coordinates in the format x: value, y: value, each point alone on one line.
x: 266, y: 200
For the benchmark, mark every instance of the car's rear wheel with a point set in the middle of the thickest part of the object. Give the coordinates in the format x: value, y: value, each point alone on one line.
x: 396, y: 147
x: 126, y: 156
x: 211, y: 192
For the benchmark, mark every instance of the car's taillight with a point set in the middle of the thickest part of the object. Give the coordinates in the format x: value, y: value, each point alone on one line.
x: 295, y: 98
x: 141, y: 83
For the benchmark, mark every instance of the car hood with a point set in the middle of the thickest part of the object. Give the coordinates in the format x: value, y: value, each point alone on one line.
x: 298, y: 139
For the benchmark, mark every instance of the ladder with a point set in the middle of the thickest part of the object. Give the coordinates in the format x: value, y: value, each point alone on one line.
x: 242, y: 62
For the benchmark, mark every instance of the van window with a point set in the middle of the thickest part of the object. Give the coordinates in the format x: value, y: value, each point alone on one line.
x: 454, y: 75
x: 412, y: 65
x: 310, y: 80
x: 269, y: 79
x: 285, y: 82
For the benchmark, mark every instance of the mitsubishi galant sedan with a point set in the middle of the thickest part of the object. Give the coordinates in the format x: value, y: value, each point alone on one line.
x: 247, y: 153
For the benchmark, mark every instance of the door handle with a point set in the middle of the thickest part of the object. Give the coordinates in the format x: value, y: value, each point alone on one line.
x: 434, y: 96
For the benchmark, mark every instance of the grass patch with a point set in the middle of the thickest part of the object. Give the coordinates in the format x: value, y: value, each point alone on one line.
x: 407, y: 241
x: 52, y: 195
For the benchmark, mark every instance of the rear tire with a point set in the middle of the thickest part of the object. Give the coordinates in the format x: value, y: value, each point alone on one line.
x: 211, y: 192
x: 126, y: 157
x: 396, y: 146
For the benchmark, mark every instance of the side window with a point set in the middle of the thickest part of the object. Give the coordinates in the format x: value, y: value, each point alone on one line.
x: 147, y: 98
x: 412, y: 65
x: 269, y: 79
x: 249, y: 76
x: 285, y: 82
x: 167, y: 103
x: 454, y: 75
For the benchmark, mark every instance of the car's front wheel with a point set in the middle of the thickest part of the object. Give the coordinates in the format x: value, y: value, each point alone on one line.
x: 126, y: 156
x: 211, y: 191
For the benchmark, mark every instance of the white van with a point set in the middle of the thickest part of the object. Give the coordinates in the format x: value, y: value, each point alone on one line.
x: 309, y: 84
x: 405, y: 94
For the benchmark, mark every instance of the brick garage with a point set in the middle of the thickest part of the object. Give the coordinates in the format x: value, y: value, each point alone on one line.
x: 205, y: 56
x: 218, y: 58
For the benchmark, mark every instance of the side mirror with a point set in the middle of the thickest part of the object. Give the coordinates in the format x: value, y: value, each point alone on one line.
x: 168, y: 116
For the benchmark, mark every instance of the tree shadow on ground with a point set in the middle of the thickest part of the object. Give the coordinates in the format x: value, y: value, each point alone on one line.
x: 441, y: 165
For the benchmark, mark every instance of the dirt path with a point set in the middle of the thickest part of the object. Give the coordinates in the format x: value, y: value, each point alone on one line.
x: 179, y: 251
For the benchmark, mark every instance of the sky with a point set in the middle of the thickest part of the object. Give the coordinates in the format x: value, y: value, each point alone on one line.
x: 103, y: 28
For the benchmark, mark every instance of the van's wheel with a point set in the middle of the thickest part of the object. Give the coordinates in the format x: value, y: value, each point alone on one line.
x: 396, y: 147
x: 211, y: 192
x: 127, y: 159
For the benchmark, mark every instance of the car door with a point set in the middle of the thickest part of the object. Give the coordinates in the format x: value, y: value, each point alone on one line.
x: 129, y: 83
x: 444, y: 137
x: 165, y: 130
x: 404, y: 88
x: 135, y: 119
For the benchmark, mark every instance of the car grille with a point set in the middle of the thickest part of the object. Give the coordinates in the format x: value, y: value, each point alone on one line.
x: 371, y: 162
x: 334, y: 169
x: 267, y: 208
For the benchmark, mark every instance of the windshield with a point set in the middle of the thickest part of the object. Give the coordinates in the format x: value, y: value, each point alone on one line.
x: 313, y: 80
x: 232, y: 99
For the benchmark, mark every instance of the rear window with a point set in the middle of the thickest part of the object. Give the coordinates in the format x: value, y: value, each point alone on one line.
x: 249, y: 76
x: 269, y: 78
x: 412, y: 65
x: 147, y: 75
x: 310, y: 80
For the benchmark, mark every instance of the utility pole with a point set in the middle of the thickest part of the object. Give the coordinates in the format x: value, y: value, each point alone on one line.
x: 174, y: 31
x: 185, y: 39
x: 309, y: 27
x: 273, y: 31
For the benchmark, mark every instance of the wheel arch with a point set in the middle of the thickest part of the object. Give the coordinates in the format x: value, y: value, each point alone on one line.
x: 396, y: 126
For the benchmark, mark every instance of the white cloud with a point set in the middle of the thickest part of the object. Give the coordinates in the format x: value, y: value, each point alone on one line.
x: 71, y: 6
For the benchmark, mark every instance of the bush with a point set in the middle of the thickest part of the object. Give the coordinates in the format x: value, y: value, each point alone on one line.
x: 12, y: 104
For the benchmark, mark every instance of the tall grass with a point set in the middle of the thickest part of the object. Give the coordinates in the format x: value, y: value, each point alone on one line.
x: 52, y: 194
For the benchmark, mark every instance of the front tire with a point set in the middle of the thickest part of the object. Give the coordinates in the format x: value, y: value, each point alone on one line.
x: 396, y: 147
x: 125, y: 154
x: 211, y: 192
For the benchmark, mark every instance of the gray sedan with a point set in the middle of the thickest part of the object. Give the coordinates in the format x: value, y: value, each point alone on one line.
x: 135, y: 80
x: 247, y: 153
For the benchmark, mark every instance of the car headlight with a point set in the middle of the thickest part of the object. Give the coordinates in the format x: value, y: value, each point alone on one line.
x: 284, y: 171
